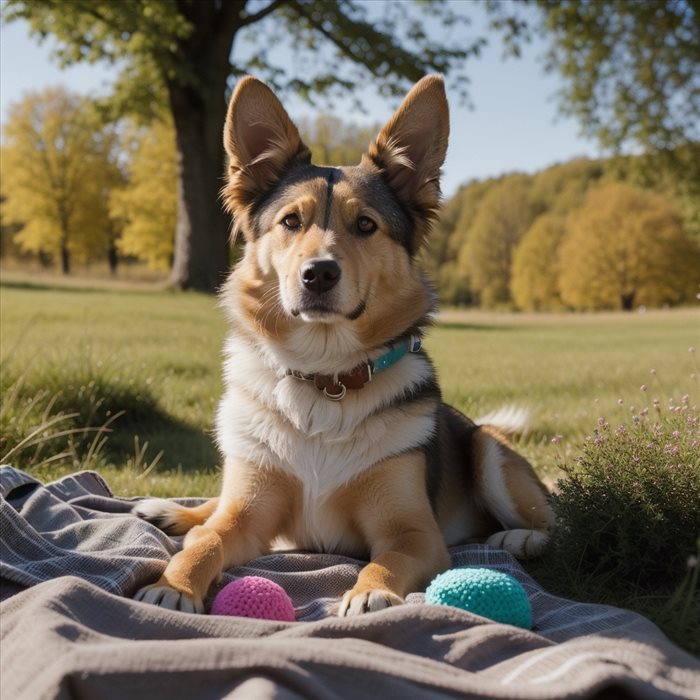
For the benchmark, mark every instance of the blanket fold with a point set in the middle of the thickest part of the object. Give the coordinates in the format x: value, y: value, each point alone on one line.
x: 72, y: 556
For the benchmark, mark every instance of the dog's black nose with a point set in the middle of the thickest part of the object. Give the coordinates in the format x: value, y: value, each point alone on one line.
x: 320, y: 275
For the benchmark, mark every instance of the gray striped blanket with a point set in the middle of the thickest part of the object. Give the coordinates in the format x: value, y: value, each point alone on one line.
x: 72, y: 557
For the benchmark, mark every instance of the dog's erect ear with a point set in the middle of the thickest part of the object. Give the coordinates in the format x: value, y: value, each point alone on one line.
x: 411, y: 148
x: 261, y: 141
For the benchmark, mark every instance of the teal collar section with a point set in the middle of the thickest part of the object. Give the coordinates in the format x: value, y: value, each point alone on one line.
x: 410, y: 344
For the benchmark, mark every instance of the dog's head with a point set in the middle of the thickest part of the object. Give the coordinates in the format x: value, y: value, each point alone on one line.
x: 326, y: 245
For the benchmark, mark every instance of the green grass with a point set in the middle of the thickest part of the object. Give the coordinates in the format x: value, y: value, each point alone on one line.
x: 153, y: 357
x: 568, y: 370
x: 156, y: 357
x: 127, y: 382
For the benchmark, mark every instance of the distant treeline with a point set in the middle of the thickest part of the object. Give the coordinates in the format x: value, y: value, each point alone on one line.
x: 586, y: 234
x: 75, y: 190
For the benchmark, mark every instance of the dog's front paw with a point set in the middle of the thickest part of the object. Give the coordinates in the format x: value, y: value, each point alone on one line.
x: 359, y: 602
x: 170, y: 598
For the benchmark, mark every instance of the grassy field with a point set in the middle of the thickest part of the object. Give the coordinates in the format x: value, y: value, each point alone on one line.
x: 153, y: 357
x: 156, y: 357
x: 126, y: 381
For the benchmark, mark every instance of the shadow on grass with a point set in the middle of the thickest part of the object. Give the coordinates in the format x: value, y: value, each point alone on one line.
x: 37, y: 286
x: 86, y: 286
x: 179, y: 444
x: 142, y: 425
x: 137, y: 427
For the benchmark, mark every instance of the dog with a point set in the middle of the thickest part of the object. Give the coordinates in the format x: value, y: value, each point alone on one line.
x: 331, y: 425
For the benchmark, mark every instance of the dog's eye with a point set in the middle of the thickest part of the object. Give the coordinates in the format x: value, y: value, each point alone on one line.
x: 366, y: 226
x: 292, y: 222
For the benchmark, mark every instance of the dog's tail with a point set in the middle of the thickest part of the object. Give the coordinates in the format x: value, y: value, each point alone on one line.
x: 508, y: 420
x: 171, y: 517
x: 510, y: 489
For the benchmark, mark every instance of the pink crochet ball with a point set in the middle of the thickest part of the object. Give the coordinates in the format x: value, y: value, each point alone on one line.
x: 254, y: 596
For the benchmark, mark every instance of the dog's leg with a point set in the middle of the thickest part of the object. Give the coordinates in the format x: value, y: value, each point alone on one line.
x: 392, y: 510
x: 241, y: 528
x: 513, y: 494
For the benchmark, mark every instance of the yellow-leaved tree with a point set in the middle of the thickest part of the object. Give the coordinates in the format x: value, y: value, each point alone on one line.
x: 534, y: 281
x: 446, y: 263
x: 147, y: 205
x: 57, y: 170
x: 624, y: 247
x: 504, y: 214
x: 336, y: 142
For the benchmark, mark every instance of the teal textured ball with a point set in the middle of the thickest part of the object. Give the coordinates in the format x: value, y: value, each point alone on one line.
x: 483, y: 592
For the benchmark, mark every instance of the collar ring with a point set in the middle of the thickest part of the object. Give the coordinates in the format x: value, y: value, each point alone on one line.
x: 336, y: 397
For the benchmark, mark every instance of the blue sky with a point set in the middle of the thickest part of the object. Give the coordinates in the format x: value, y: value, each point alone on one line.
x: 513, y: 127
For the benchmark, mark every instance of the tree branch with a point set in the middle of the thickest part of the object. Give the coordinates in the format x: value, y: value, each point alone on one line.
x: 261, y: 14
x: 325, y: 33
x: 408, y: 70
x: 89, y: 9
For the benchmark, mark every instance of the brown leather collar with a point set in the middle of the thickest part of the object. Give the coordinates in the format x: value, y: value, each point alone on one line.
x: 335, y: 386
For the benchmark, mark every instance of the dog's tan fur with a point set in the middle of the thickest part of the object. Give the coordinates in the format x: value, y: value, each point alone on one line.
x: 389, y: 472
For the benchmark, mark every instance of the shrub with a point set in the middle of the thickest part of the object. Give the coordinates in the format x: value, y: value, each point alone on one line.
x: 629, y: 510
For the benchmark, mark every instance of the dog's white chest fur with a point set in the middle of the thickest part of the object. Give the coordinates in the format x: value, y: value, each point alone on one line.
x: 272, y: 420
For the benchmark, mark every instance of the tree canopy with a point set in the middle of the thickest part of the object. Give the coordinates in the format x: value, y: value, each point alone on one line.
x: 146, y: 206
x: 631, y: 68
x: 501, y: 240
x: 189, y: 51
x: 334, y: 141
x: 625, y: 247
x: 502, y: 218
x: 534, y: 280
x: 630, y: 74
x: 631, y: 77
x: 58, y: 170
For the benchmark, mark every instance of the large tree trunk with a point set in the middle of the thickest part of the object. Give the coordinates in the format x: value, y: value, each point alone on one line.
x: 201, y: 237
x: 198, y: 103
